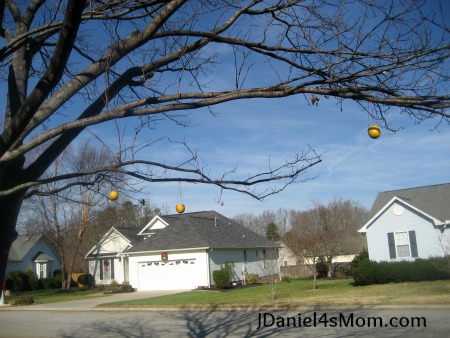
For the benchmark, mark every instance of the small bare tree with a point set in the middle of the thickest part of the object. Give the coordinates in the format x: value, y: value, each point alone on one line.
x: 325, y: 231
x: 270, y: 268
x: 305, y: 241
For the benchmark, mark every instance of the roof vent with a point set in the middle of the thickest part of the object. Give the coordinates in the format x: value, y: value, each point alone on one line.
x: 215, y: 222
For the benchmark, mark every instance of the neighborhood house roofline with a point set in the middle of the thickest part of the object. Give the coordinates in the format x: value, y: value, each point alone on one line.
x: 105, y: 236
x: 104, y: 255
x: 436, y: 221
x: 159, y: 251
x: 192, y: 249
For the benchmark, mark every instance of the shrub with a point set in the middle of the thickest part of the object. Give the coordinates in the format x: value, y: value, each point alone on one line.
x: 32, y: 280
x: 87, y: 279
x: 126, y: 288
x: 23, y: 301
x: 367, y: 272
x: 251, y: 278
x: 113, y: 284
x: 221, y: 278
x: 321, y: 268
x: 362, y: 257
x: 50, y: 283
x: 229, y: 266
x: 19, y: 281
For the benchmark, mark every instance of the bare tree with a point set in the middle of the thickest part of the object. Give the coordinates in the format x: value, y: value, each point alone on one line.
x: 258, y: 223
x: 151, y: 60
x: 65, y: 217
x: 340, y: 221
x: 326, y: 231
x: 305, y: 241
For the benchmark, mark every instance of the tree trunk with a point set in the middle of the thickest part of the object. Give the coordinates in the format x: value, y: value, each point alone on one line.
x: 9, y: 212
x: 315, y: 274
x: 329, y: 267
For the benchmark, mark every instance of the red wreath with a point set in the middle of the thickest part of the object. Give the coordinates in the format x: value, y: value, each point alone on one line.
x: 105, y: 265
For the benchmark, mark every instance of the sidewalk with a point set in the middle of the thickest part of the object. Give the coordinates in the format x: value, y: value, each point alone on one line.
x: 91, y: 303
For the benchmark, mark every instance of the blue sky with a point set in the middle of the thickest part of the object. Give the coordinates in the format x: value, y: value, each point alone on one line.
x: 249, y: 133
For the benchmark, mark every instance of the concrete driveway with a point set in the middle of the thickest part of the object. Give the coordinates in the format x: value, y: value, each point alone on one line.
x: 91, y: 303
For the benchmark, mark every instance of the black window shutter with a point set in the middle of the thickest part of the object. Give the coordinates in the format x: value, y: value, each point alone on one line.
x: 391, y: 242
x: 101, y: 269
x: 413, y: 244
x: 112, y: 268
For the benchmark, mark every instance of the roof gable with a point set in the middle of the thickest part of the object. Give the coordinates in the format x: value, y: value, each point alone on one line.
x: 397, y: 200
x: 433, y: 200
x: 112, y: 242
x: 21, y: 246
x: 155, y: 223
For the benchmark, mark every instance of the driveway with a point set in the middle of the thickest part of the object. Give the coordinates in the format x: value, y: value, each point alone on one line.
x: 91, y: 303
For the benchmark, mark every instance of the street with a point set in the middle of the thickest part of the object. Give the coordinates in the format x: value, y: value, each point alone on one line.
x: 193, y: 323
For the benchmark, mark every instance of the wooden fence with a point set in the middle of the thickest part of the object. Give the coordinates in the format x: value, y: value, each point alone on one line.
x: 301, y: 271
x: 296, y: 271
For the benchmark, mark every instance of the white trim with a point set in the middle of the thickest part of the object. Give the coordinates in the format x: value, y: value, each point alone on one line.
x: 388, y: 205
x: 137, y: 253
x: 105, y: 236
x: 150, y: 224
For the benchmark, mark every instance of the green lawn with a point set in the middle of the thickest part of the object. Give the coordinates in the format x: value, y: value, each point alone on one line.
x: 54, y: 295
x: 299, y: 292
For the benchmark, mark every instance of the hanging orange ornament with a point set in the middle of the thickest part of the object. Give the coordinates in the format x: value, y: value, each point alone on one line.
x: 373, y: 131
x: 180, y: 206
x: 113, y: 195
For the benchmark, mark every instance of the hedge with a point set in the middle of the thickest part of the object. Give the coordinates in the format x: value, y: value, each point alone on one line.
x: 367, y: 272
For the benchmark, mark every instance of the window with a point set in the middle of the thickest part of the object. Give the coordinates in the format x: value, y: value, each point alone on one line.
x: 402, y: 244
x: 106, y: 269
x: 42, y: 270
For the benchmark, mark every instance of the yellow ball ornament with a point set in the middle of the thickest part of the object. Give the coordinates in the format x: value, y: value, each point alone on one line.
x: 113, y: 195
x: 180, y: 208
x: 374, y: 131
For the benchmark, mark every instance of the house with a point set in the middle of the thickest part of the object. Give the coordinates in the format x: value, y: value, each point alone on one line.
x: 180, y: 251
x: 286, y: 257
x: 409, y: 223
x: 33, y: 252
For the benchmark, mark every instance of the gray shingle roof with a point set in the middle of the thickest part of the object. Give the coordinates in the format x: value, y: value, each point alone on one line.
x: 207, y: 229
x: 433, y: 200
x: 21, y: 246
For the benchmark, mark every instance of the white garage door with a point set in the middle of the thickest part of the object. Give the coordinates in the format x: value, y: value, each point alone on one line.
x: 170, y: 275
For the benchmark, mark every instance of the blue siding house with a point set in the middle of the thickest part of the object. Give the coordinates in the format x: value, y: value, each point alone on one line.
x: 409, y: 223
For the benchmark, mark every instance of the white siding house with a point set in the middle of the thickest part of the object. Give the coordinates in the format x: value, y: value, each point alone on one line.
x: 410, y: 223
x: 180, y: 252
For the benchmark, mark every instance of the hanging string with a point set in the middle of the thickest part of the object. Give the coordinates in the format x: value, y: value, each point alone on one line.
x: 371, y: 114
x: 180, y: 194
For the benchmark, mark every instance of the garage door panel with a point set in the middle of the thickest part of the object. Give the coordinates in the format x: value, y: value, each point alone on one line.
x: 157, y: 275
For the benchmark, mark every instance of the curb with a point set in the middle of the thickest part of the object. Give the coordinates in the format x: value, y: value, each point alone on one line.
x: 272, y: 308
